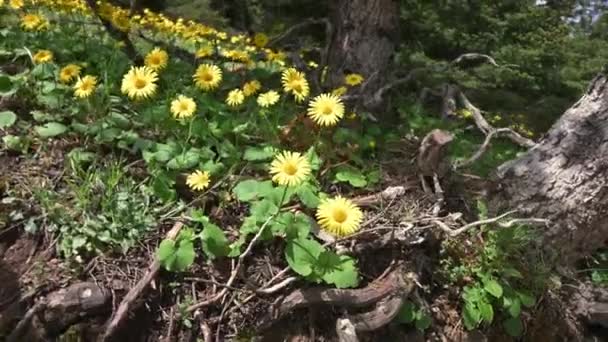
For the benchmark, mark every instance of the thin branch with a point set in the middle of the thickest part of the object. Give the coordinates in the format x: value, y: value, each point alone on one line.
x: 456, y: 232
x: 472, y: 56
x: 302, y: 25
x: 277, y: 287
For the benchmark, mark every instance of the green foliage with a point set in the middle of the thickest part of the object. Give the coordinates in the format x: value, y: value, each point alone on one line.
x: 177, y: 255
x: 409, y: 313
x: 7, y: 119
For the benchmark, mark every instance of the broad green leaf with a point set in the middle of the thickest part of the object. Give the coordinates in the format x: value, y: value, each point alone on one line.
x: 13, y: 142
x: 175, y: 256
x: 470, y: 316
x: 513, y: 326
x: 344, y: 274
x: 163, y: 187
x: 301, y: 255
x: 184, y: 161
x: 493, y: 288
x: 279, y: 193
x: 6, y: 85
x: 353, y: 177
x: 512, y: 272
x: 515, y: 307
x: 406, y: 313
x: 119, y: 120
x: 526, y: 299
x: 215, y: 243
x: 164, y: 152
x: 423, y: 322
x: 50, y: 129
x: 7, y: 119
x: 291, y: 226
x: 313, y: 159
x: 486, y: 311
x: 165, y: 250
x: 306, y: 194
x: 263, y: 210
x: 259, y: 153
x: 250, y: 189
x: 184, y: 256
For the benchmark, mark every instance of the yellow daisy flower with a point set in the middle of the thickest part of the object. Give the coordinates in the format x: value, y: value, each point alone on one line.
x: 85, y: 86
x: 295, y: 82
x: 183, y: 107
x: 43, y: 56
x: 139, y: 82
x: 16, y: 4
x: 198, y: 180
x: 339, y: 91
x: 289, y: 168
x: 207, y: 76
x: 204, y: 51
x: 339, y: 216
x: 31, y: 21
x: 260, y: 40
x: 69, y: 72
x: 326, y: 109
x: 268, y: 98
x: 251, y: 87
x: 353, y: 79
x: 235, y: 97
x: 156, y: 59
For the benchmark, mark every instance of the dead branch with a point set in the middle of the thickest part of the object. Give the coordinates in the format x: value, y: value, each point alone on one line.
x: 277, y: 287
x: 298, y: 27
x: 473, y: 56
x: 346, y: 330
x: 126, y: 303
x: 388, y: 194
x: 396, y: 282
x: 455, y: 232
x: 24, y: 323
x: 384, y: 312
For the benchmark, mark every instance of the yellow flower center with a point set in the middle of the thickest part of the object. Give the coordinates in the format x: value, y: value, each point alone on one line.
x: 140, y: 83
x: 183, y: 106
x: 339, y: 215
x: 327, y: 110
x: 154, y: 60
x: 290, y: 169
x: 207, y: 77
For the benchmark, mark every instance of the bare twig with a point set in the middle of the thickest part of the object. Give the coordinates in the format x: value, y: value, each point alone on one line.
x: 134, y: 293
x: 455, y: 232
x: 277, y: 287
x: 472, y: 56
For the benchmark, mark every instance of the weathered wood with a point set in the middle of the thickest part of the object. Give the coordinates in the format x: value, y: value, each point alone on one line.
x: 564, y: 179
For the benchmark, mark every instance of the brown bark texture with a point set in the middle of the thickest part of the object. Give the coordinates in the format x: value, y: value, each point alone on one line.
x: 362, y: 40
x: 564, y: 178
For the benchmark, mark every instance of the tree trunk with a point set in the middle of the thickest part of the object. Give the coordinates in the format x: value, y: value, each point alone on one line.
x: 564, y: 178
x: 363, y: 40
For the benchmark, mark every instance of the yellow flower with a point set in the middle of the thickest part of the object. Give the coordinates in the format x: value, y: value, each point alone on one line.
x: 278, y: 56
x: 31, y: 21
x: 313, y: 64
x: 69, y: 72
x: 260, y: 40
x: 207, y: 76
x: 295, y: 82
x: 157, y: 59
x: 235, y: 97
x: 198, y: 180
x: 339, y: 91
x: 85, y: 86
x: 16, y: 4
x: 353, y: 79
x: 183, y: 107
x: 43, y: 56
x: 289, y: 168
x: 251, y: 87
x: 269, y: 98
x: 204, y: 51
x: 326, y: 109
x: 339, y: 216
x: 139, y: 82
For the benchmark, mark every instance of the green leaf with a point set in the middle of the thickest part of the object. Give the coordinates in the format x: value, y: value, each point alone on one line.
x: 471, y: 316
x: 215, y: 243
x: 302, y: 254
x: 406, y: 313
x: 248, y: 190
x: 526, y: 299
x: 50, y: 129
x: 176, y: 256
x: 313, y: 159
x: 13, y: 142
x: 262, y: 210
x: 184, y: 256
x: 306, y: 194
x: 493, y: 287
x: 165, y: 250
x: 515, y: 307
x: 423, y: 322
x: 512, y: 272
x: 486, y: 311
x: 184, y: 161
x: 7, y: 119
x: 279, y: 193
x: 482, y: 209
x: 353, y: 177
x: 290, y: 225
x: 163, y: 187
x: 259, y: 153
x: 513, y: 327
x: 344, y: 274
x: 6, y: 85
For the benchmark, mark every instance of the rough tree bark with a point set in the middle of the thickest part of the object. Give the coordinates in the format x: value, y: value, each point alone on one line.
x: 564, y: 178
x: 363, y: 40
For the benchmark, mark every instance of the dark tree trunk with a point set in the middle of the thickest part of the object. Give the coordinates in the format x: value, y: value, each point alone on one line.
x: 363, y: 40
x: 565, y: 178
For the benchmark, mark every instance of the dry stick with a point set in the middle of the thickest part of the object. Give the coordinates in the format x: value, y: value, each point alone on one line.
x: 454, y: 232
x: 234, y: 272
x: 142, y: 284
x: 277, y: 287
x: 24, y: 323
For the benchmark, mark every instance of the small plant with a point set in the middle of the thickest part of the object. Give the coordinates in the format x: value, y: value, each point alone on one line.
x: 500, y: 276
x: 410, y: 314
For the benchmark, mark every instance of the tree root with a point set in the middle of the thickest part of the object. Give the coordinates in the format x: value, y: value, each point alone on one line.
x: 386, y: 293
